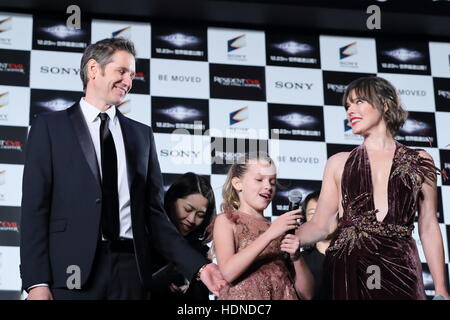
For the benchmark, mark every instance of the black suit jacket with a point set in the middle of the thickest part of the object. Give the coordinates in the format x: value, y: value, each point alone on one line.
x: 62, y: 199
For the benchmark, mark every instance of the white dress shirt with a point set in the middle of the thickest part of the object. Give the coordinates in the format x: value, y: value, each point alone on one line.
x: 93, y: 122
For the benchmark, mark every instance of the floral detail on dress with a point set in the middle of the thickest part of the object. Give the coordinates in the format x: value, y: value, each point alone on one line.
x: 412, y: 169
x: 359, y: 227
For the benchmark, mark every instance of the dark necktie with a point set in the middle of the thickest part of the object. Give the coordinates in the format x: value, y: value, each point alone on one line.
x: 110, y: 203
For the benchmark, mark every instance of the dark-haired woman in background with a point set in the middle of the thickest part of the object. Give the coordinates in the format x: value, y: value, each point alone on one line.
x: 190, y: 205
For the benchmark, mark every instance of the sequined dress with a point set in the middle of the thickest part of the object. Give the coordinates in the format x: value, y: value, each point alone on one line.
x: 268, y: 277
x: 364, y: 247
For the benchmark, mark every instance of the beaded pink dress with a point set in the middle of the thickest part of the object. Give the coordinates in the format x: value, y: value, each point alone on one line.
x: 268, y: 278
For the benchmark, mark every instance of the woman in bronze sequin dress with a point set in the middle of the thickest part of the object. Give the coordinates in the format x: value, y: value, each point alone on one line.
x: 248, y: 247
x: 376, y: 190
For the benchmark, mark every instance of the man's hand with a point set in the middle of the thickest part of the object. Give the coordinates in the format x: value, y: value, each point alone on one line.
x: 178, y: 289
x: 40, y: 293
x: 212, y: 278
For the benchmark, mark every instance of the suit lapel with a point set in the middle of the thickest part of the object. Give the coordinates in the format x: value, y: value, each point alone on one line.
x: 131, y: 148
x: 84, y: 138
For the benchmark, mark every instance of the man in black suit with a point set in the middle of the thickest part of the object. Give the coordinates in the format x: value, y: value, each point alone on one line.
x: 92, y: 195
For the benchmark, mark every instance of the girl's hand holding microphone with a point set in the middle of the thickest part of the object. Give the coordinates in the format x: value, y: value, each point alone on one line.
x: 290, y: 244
x: 284, y: 223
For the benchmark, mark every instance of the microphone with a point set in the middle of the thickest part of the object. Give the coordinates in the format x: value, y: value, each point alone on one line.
x: 295, y: 198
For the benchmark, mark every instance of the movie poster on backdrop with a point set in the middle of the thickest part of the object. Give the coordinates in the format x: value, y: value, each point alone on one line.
x: 14, y: 106
x: 403, y: 56
x: 10, y: 185
x: 51, y: 100
x: 16, y: 31
x: 9, y: 226
x: 54, y: 34
x: 55, y: 70
x: 237, y: 82
x: 141, y: 81
x: 440, y: 59
x: 179, y: 79
x: 180, y: 115
x: 338, y: 128
x: 226, y: 151
x: 292, y: 50
x: 14, y: 68
x: 10, y: 281
x: 242, y: 119
x: 294, y: 122
x: 289, y: 85
x: 180, y: 152
x: 235, y: 46
x: 299, y: 159
x: 442, y: 93
x: 419, y: 130
x: 138, y: 32
x: 415, y: 91
x: 184, y: 43
x: 335, y: 84
x: 348, y: 54
x: 12, y: 144
x: 136, y: 107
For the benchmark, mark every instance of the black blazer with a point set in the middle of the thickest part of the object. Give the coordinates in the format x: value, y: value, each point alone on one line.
x: 62, y: 199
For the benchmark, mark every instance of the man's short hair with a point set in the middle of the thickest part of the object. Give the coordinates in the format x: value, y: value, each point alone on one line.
x: 102, y: 52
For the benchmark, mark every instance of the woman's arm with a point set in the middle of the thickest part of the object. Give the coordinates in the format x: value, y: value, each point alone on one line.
x: 304, y: 279
x: 328, y: 204
x: 430, y: 234
x: 231, y: 263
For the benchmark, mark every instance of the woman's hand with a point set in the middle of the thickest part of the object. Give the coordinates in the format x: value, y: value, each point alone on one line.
x: 284, y: 223
x: 291, y: 245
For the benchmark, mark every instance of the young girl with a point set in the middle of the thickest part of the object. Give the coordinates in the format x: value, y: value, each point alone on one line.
x: 248, y: 247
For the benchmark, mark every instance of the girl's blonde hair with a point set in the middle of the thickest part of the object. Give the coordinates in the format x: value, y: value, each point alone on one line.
x: 230, y: 201
x: 230, y: 197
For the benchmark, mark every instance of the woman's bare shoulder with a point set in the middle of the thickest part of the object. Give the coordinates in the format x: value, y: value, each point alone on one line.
x: 338, y: 160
